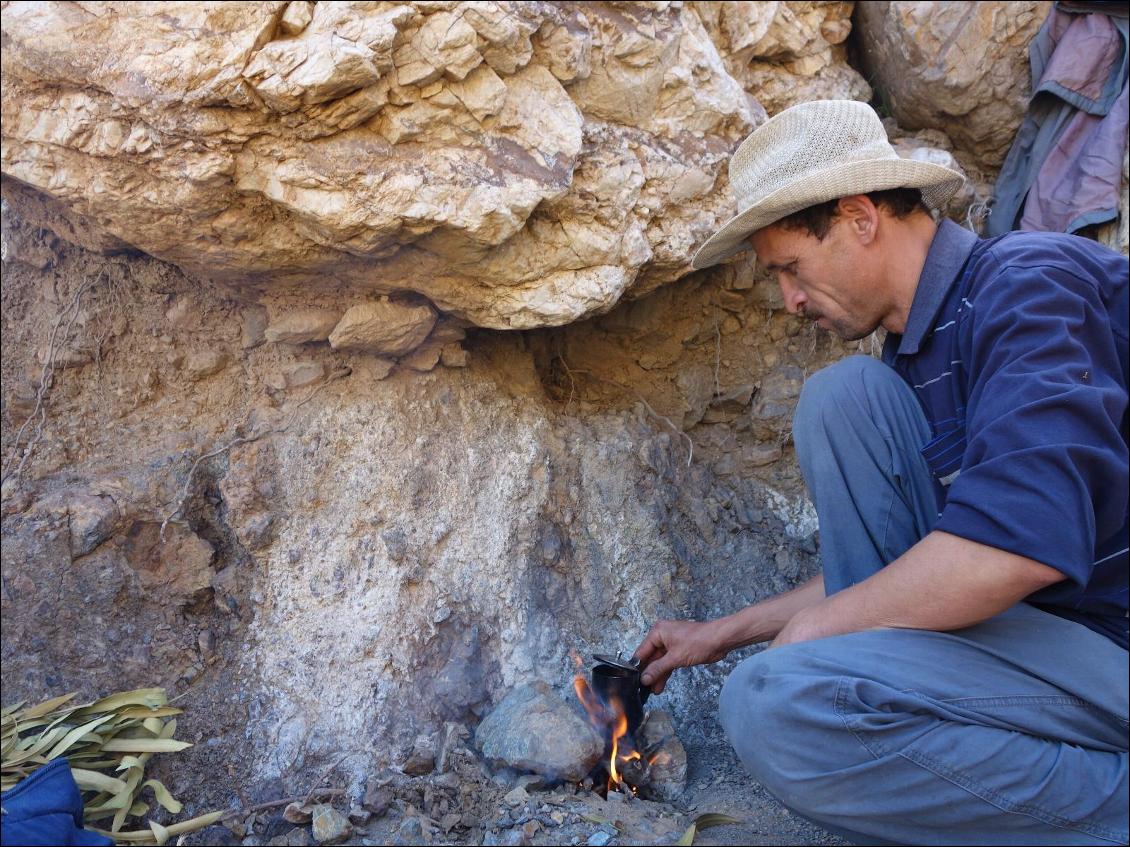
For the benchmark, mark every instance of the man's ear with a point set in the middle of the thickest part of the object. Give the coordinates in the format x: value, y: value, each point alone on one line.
x: 861, y: 217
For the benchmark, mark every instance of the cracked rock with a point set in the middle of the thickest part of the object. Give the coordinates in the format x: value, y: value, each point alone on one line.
x: 301, y: 326
x: 384, y: 327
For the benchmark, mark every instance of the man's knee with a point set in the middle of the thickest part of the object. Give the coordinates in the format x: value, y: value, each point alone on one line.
x: 834, y: 395
x: 770, y: 708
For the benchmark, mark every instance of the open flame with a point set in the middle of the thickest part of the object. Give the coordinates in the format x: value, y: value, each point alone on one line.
x: 611, y: 721
x: 618, y: 732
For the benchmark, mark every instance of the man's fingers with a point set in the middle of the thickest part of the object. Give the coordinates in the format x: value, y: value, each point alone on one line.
x: 658, y: 686
x: 658, y: 671
x: 652, y: 645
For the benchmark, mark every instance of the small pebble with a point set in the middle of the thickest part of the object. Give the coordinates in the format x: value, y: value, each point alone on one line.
x: 504, y: 777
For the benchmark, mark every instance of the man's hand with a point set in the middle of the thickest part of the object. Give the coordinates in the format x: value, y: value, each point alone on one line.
x: 680, y: 644
x: 677, y: 644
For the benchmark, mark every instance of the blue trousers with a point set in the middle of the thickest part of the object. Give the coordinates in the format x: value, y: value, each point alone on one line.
x: 1013, y: 731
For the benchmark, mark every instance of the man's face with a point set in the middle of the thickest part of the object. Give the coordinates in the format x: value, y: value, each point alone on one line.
x: 829, y: 282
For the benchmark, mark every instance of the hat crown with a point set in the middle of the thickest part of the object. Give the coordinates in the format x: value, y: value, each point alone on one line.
x: 802, y: 141
x: 810, y: 154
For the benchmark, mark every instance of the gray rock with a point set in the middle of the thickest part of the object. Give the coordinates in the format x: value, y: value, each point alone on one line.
x: 423, y: 758
x: 377, y: 798
x: 254, y: 324
x: 599, y: 839
x: 258, y: 532
x: 667, y: 774
x: 359, y: 815
x: 297, y: 813
x: 410, y: 832
x: 92, y: 520
x: 297, y: 837
x: 504, y: 777
x: 329, y: 825
x: 533, y: 729
x: 506, y: 838
x: 454, y: 734
x: 531, y: 781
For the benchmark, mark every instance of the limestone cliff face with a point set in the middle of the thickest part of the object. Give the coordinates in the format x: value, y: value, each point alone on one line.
x: 517, y: 164
x: 261, y: 442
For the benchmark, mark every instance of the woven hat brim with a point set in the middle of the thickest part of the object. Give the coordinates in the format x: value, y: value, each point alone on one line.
x: 937, y: 183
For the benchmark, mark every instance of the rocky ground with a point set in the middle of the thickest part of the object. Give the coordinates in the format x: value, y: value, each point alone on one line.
x: 471, y: 803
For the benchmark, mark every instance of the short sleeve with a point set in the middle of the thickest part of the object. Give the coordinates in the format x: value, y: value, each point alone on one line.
x: 1044, y: 474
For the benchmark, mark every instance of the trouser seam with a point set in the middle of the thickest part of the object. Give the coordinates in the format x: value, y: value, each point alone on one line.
x: 1013, y: 700
x: 965, y: 781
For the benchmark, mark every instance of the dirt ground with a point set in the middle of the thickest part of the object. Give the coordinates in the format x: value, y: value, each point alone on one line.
x: 717, y: 782
x: 469, y: 804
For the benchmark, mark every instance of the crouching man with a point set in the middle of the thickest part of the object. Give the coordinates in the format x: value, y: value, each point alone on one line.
x: 958, y: 673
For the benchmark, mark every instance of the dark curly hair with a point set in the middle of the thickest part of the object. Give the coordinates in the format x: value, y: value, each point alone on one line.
x: 817, y: 220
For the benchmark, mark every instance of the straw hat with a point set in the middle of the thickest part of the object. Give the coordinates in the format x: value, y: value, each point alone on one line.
x: 811, y: 153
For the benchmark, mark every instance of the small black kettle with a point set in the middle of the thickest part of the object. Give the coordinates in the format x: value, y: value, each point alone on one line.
x: 617, y: 680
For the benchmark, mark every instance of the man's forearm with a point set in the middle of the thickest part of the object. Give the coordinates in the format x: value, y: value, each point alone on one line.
x: 679, y: 644
x: 763, y: 621
x: 943, y: 582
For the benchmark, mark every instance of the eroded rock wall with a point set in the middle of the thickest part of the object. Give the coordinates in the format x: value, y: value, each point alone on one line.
x: 360, y: 554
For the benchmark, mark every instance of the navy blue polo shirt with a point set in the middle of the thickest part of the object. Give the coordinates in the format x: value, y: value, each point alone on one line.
x: 1016, y: 348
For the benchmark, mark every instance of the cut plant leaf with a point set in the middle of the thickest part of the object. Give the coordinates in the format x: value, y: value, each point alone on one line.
x: 703, y: 822
x: 108, y: 744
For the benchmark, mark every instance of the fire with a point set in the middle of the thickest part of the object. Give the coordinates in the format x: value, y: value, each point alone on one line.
x: 590, y: 701
x: 618, y: 732
x: 609, y: 720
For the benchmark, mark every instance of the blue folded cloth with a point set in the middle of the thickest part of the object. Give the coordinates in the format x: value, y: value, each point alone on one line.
x: 45, y: 808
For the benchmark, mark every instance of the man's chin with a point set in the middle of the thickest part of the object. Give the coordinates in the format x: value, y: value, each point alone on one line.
x: 851, y: 333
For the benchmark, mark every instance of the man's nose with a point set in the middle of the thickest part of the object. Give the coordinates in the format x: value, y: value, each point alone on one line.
x: 794, y: 298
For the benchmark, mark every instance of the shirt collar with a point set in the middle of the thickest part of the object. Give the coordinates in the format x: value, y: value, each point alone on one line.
x: 948, y: 254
